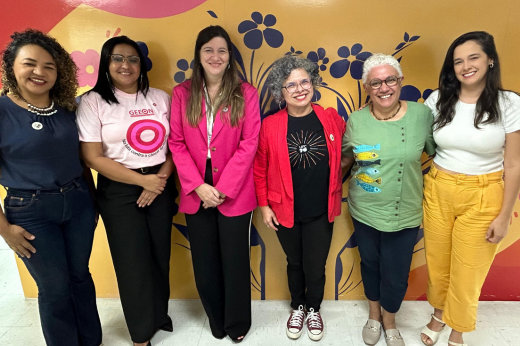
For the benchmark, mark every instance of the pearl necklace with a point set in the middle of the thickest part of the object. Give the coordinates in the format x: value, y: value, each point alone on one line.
x: 45, y: 111
x: 384, y: 119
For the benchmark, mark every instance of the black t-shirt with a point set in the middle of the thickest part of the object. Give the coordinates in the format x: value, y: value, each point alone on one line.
x: 309, y: 160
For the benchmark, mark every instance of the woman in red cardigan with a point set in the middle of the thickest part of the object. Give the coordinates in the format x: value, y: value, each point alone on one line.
x: 297, y: 172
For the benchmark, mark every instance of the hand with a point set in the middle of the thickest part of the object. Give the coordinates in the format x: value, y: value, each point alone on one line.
x: 17, y: 239
x: 209, y: 196
x: 269, y: 218
x: 154, y: 182
x: 497, y: 230
x: 146, y: 198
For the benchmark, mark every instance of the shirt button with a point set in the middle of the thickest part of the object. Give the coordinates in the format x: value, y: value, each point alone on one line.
x: 401, y: 165
x: 402, y: 134
x: 396, y: 214
x: 396, y: 208
x: 399, y: 172
x: 215, y: 169
x: 213, y: 148
x: 397, y: 202
x: 403, y: 140
x: 397, y: 179
x: 402, y: 128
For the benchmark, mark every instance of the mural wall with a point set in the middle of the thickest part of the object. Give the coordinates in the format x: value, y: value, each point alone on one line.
x: 338, y: 36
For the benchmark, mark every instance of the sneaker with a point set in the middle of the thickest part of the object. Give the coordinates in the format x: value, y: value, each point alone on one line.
x: 314, y: 325
x: 295, y: 323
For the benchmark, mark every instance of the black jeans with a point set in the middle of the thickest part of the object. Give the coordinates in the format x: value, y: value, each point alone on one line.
x: 385, y: 263
x: 221, y: 263
x: 140, y: 244
x: 63, y: 223
x: 307, y: 246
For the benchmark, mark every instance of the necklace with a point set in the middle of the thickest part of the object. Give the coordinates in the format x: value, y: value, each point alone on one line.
x: 384, y: 119
x: 45, y: 111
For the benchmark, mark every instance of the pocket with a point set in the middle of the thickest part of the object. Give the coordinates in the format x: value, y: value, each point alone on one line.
x: 491, y: 198
x: 19, y: 202
x: 274, y: 196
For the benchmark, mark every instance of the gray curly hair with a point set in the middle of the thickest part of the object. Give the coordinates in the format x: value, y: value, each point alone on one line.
x: 283, y: 67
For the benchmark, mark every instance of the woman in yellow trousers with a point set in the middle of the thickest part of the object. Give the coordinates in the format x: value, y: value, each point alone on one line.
x: 467, y: 201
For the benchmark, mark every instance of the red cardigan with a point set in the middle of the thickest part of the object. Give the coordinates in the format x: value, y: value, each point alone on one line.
x: 272, y: 168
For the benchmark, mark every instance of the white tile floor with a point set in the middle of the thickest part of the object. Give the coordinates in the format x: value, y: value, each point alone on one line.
x: 498, y: 323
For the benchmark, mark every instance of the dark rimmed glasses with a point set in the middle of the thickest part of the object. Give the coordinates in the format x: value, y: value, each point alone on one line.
x: 293, y: 87
x: 119, y: 59
x: 390, y: 81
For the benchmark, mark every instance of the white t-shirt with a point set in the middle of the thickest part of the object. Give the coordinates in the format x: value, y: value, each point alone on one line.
x: 133, y: 132
x: 465, y: 149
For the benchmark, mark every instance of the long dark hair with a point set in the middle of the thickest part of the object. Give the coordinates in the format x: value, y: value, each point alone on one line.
x: 449, y: 85
x: 230, y: 88
x: 104, y: 86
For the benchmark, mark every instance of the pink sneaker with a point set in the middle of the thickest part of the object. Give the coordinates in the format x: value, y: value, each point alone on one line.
x: 314, y: 325
x: 295, y: 323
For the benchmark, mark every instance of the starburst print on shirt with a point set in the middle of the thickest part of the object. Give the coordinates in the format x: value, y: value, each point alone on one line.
x: 304, y: 150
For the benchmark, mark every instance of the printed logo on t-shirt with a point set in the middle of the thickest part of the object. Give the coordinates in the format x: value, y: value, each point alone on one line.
x: 141, y: 112
x: 304, y: 149
x: 145, y: 138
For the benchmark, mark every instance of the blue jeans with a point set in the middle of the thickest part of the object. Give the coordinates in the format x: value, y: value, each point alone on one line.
x: 63, y: 223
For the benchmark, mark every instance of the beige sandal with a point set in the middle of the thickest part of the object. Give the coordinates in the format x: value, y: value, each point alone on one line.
x: 433, y: 335
x: 455, y: 343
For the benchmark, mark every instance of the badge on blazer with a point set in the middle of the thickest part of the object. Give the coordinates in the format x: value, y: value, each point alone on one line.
x: 37, y: 125
x: 331, y: 137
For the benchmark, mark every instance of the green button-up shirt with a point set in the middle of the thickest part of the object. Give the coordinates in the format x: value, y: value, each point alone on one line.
x: 386, y: 185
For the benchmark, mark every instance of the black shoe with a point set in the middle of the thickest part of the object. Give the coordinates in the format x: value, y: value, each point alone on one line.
x: 236, y: 341
x: 168, y: 326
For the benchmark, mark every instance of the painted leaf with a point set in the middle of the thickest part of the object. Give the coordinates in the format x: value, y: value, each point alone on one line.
x: 211, y: 13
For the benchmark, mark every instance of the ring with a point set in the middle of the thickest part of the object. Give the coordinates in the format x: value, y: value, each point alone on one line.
x: 267, y: 226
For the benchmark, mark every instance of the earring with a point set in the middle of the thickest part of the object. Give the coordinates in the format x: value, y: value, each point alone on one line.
x: 280, y: 105
x: 141, y: 79
x: 228, y: 66
x: 108, y: 78
x: 491, y: 65
x: 315, y: 96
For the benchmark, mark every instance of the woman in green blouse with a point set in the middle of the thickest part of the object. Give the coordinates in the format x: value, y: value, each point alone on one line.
x: 385, y: 141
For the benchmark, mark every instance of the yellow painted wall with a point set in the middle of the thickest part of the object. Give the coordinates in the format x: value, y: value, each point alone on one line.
x: 306, y: 25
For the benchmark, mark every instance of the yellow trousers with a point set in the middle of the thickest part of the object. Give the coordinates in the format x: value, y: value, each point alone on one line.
x: 458, y: 210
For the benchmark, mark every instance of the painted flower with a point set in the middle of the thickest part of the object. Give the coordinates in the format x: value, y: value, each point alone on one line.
x: 254, y: 37
x: 319, y: 58
x: 339, y: 68
x: 144, y: 50
x: 411, y: 93
x: 88, y: 66
x: 183, y: 66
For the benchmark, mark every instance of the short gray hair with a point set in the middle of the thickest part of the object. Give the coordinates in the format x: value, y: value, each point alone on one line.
x: 283, y: 67
x: 380, y: 59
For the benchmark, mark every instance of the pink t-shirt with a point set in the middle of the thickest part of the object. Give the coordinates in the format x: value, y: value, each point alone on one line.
x: 133, y: 132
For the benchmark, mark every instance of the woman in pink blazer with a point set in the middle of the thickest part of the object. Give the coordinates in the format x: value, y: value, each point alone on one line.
x: 215, y: 121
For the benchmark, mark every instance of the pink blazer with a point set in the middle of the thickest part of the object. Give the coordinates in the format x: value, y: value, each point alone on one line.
x: 232, y: 153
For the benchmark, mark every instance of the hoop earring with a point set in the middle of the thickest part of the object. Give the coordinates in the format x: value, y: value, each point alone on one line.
x: 280, y: 105
x: 491, y: 65
x: 315, y: 96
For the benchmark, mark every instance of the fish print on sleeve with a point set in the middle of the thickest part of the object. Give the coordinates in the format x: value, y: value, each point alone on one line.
x: 365, y: 175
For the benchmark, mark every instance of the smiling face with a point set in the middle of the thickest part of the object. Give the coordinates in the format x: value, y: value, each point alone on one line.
x: 471, y: 64
x: 35, y: 71
x: 299, y: 101
x: 124, y: 75
x: 385, y: 97
x: 214, y: 57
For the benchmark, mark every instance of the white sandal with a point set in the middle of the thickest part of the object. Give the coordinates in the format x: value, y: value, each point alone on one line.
x: 455, y: 343
x: 433, y: 335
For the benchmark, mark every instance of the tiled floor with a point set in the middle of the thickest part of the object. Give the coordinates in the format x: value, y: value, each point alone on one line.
x: 498, y: 323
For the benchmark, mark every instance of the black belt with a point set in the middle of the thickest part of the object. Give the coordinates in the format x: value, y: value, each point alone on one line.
x: 148, y: 170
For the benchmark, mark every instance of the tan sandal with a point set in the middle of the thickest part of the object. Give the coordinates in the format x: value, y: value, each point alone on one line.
x: 433, y: 335
x: 452, y: 343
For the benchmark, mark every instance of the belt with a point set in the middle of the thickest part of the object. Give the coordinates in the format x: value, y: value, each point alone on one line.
x: 148, y: 170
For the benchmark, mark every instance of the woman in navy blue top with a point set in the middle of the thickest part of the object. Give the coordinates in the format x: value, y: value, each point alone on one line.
x: 49, y: 218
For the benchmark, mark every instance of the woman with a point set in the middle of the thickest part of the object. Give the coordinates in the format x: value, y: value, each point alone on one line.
x: 214, y: 135
x: 49, y: 216
x: 298, y: 185
x: 467, y: 203
x: 123, y: 128
x: 385, y: 140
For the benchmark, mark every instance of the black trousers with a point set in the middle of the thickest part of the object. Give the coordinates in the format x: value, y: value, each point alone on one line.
x: 221, y: 263
x: 306, y: 245
x: 140, y: 243
x: 385, y: 263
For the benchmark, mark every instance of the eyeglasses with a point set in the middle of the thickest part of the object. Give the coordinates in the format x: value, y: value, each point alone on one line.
x: 293, y: 87
x: 390, y: 81
x: 119, y: 59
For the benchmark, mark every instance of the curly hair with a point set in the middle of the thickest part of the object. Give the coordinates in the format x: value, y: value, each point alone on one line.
x: 283, y: 67
x: 64, y: 90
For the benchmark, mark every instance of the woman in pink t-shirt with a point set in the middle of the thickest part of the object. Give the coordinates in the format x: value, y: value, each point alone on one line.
x: 123, y: 128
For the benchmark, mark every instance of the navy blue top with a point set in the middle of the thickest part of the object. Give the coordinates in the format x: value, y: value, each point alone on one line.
x: 34, y: 159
